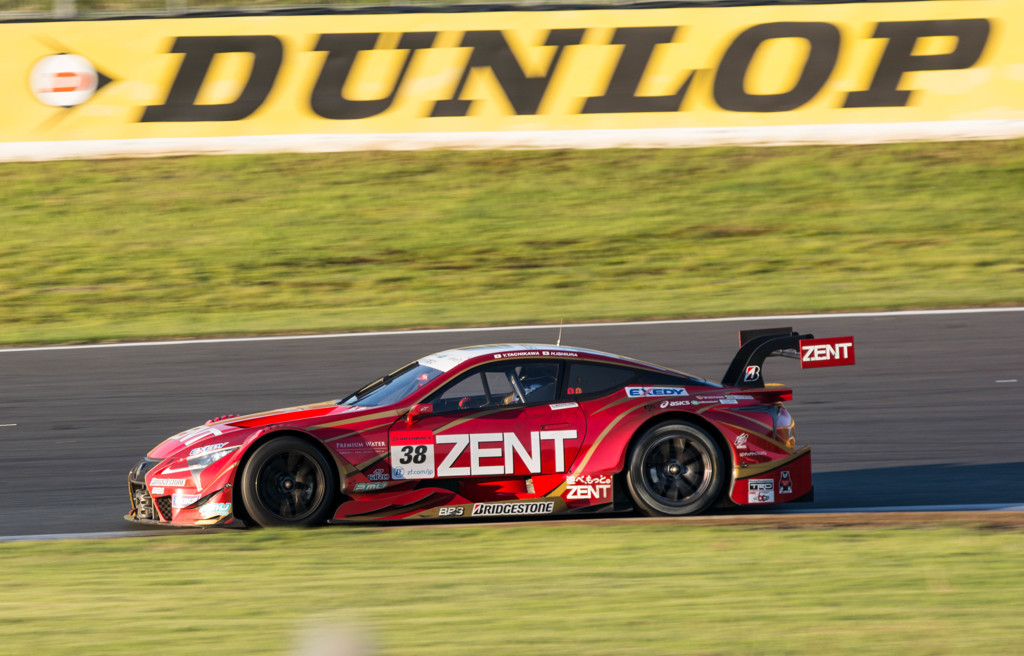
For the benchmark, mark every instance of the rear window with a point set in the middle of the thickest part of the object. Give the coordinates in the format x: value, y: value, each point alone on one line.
x: 589, y: 379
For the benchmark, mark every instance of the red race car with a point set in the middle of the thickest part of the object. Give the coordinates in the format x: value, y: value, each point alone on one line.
x: 495, y: 431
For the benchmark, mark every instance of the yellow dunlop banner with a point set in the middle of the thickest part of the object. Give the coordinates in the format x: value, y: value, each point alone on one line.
x: 581, y: 78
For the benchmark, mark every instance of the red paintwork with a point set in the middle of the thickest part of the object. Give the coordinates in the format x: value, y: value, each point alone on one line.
x: 571, y: 451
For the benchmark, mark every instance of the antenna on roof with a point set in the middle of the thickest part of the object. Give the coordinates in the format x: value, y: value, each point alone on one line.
x: 560, y: 322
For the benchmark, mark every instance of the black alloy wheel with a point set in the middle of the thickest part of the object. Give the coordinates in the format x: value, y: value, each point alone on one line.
x: 675, y: 469
x: 288, y: 482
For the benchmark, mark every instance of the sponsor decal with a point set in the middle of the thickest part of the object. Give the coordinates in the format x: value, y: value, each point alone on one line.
x: 752, y: 373
x: 502, y: 450
x: 368, y: 487
x: 451, y: 511
x: 746, y: 450
x: 358, y: 442
x: 379, y: 474
x: 723, y: 400
x: 760, y: 490
x: 648, y: 390
x: 63, y: 80
x: 180, y: 499
x: 621, y: 74
x: 516, y: 354
x: 676, y: 404
x: 356, y: 449
x: 563, y: 406
x: 410, y: 473
x: 445, y: 361
x: 785, y: 483
x: 513, y: 508
x: 588, y: 487
x: 214, y: 510
x: 209, y: 447
x: 412, y: 455
x: 167, y: 482
x: 826, y: 352
x: 193, y: 435
x: 158, y: 490
x: 566, y: 71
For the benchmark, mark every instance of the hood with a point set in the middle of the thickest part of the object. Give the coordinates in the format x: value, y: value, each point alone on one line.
x: 286, y: 414
x: 232, y: 431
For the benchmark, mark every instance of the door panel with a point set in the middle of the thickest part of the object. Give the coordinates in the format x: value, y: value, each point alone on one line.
x: 497, y: 443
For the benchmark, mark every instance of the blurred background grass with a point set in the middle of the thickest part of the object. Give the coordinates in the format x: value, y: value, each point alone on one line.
x: 128, y: 249
x: 578, y: 588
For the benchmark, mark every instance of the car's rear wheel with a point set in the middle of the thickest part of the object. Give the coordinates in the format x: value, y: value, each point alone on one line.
x: 675, y: 469
x: 287, y: 482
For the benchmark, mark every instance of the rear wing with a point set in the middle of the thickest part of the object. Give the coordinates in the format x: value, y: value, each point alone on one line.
x: 758, y: 345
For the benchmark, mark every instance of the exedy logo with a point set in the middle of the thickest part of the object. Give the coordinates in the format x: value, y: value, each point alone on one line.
x: 650, y: 390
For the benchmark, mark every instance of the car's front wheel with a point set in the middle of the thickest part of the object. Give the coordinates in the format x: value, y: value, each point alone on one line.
x: 675, y: 468
x: 287, y: 482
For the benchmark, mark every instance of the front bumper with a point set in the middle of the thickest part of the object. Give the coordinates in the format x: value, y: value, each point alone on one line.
x: 144, y: 508
x: 161, y: 509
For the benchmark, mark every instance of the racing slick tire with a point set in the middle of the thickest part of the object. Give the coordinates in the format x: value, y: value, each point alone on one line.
x: 676, y: 469
x: 287, y: 482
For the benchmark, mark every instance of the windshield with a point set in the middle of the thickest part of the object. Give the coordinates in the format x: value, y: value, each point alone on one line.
x: 394, y: 387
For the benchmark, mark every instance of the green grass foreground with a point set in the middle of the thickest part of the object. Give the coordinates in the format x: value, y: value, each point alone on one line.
x: 150, y: 248
x: 517, y: 589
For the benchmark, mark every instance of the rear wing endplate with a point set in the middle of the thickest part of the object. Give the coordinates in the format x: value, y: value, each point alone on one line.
x: 757, y: 345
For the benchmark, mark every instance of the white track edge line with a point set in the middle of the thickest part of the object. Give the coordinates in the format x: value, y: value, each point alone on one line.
x: 440, y: 331
x: 86, y: 536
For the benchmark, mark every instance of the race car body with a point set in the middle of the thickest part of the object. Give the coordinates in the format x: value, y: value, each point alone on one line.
x: 500, y: 430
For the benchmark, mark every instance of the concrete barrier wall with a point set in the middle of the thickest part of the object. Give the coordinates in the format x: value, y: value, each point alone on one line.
x: 688, y: 76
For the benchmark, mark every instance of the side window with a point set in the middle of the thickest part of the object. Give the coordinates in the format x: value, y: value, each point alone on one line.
x: 488, y: 387
x: 537, y: 381
x: 465, y: 394
x: 586, y: 379
x: 499, y: 385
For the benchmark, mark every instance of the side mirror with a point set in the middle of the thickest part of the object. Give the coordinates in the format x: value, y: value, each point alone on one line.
x: 417, y: 411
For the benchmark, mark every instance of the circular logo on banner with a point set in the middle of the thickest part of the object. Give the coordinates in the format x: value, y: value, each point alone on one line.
x: 63, y: 80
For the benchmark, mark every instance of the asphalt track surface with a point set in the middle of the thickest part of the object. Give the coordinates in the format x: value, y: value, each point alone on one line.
x: 931, y: 415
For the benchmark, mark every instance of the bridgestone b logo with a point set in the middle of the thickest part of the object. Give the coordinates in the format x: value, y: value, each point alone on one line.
x: 513, y: 508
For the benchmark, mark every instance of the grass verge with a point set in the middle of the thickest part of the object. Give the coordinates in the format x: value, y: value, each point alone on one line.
x: 130, y: 249
x: 577, y: 588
